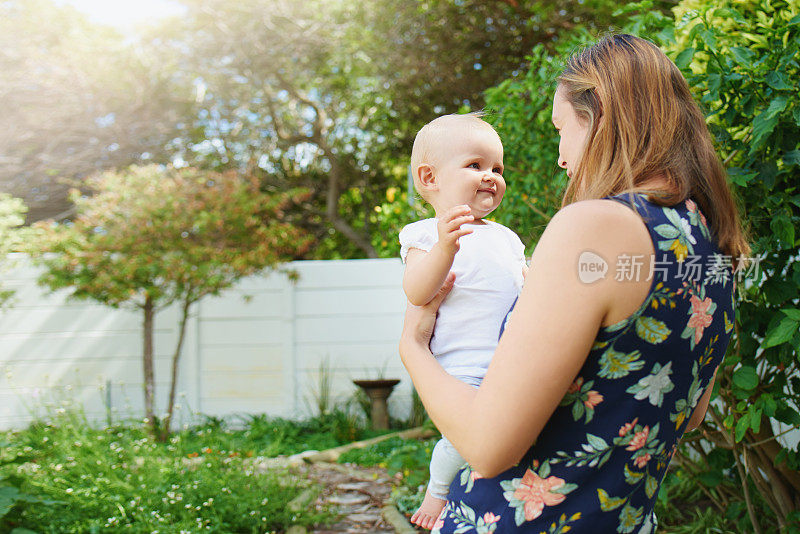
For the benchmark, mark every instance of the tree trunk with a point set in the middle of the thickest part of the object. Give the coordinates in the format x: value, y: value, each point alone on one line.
x: 332, y: 207
x: 149, y: 379
x: 165, y: 428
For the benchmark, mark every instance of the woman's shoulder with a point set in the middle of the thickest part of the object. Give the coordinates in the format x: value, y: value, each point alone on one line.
x: 599, y: 221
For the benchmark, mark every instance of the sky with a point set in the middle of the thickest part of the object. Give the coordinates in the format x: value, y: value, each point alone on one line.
x: 125, y: 14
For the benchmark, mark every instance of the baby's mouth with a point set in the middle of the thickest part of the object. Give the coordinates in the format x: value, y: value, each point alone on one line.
x: 489, y: 191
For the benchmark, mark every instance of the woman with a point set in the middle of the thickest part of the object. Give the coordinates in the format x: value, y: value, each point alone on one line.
x: 599, y: 373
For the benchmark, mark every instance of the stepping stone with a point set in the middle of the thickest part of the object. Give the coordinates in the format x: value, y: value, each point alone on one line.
x: 362, y: 509
x: 353, y: 486
x: 364, y: 518
x: 348, y: 499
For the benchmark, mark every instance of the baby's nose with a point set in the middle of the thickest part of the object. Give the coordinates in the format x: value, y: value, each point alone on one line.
x: 562, y: 163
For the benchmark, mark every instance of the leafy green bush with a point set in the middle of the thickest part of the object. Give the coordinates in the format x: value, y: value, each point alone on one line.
x: 12, y: 500
x: 12, y: 216
x: 742, y: 60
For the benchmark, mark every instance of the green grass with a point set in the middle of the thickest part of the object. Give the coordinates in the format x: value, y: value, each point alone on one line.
x: 66, y: 476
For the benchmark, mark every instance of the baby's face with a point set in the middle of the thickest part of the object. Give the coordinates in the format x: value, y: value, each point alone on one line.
x: 470, y: 172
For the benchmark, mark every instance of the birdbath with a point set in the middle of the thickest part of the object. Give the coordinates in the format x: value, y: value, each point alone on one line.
x: 378, y: 391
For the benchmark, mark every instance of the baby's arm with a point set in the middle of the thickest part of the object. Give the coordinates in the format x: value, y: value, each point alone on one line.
x: 425, y: 271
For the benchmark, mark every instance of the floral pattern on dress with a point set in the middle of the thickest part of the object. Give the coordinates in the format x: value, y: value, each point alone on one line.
x: 701, y: 313
x: 536, y: 489
x: 466, y: 520
x: 582, y: 398
x: 654, y: 386
x: 678, y: 235
x: 599, y: 462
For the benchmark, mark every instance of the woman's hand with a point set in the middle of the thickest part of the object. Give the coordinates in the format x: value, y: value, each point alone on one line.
x: 420, y: 320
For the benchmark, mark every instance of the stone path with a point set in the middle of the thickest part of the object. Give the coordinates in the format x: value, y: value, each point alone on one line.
x: 360, y: 493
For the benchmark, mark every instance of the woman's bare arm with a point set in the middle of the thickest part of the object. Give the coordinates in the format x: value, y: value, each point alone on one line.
x: 554, y: 325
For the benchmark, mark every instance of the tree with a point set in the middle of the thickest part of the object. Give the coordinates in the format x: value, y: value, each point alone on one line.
x: 328, y: 95
x: 152, y: 236
x: 77, y: 98
x: 276, y: 85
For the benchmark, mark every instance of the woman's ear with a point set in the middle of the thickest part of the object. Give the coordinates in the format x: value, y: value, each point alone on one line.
x: 427, y: 177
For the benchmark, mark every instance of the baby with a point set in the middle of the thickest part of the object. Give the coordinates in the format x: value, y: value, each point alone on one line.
x: 457, y: 166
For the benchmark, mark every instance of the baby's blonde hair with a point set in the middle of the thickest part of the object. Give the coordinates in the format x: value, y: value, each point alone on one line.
x: 431, y: 141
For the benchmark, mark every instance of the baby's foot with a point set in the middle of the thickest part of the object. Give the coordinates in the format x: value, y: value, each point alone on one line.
x: 428, y: 512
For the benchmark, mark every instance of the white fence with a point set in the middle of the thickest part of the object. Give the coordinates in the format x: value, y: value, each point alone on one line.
x: 257, y: 348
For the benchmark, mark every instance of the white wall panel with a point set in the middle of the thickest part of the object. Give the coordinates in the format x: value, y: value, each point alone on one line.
x: 255, y: 348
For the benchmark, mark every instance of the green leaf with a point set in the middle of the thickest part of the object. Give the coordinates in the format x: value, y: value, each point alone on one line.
x: 714, y: 83
x: 728, y: 421
x: 777, y: 80
x: 736, y: 15
x: 23, y: 531
x: 745, y: 378
x: 786, y: 414
x: 741, y: 427
x: 781, y: 333
x: 793, y: 314
x: 755, y: 420
x: 784, y: 229
x: 684, y: 58
x: 743, y: 56
x: 740, y: 176
x: 792, y: 157
x: 710, y: 478
x: 765, y: 122
x: 709, y: 39
x: 8, y: 498
x: 795, y: 20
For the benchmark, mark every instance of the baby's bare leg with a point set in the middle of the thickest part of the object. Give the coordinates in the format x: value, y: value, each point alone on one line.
x: 445, y: 463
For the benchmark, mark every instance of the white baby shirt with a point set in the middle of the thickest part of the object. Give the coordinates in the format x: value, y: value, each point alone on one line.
x: 488, y: 268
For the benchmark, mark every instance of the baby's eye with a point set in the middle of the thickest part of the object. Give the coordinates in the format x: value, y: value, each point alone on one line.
x: 497, y: 170
x: 474, y: 165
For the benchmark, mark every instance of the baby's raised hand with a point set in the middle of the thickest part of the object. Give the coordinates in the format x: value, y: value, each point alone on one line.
x: 450, y: 230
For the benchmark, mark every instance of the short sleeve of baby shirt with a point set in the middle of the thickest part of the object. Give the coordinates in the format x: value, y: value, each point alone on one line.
x: 517, y: 246
x: 421, y: 234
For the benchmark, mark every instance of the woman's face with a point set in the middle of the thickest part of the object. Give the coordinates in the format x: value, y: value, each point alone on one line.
x: 571, y: 130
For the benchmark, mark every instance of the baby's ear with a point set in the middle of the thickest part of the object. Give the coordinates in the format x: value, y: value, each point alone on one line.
x: 427, y: 177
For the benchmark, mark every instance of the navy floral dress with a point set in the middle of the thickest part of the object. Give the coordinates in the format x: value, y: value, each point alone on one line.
x: 598, y: 463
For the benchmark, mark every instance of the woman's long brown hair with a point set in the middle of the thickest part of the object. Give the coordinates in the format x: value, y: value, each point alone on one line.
x: 644, y: 124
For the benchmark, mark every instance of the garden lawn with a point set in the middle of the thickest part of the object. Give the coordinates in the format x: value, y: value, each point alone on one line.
x: 66, y: 476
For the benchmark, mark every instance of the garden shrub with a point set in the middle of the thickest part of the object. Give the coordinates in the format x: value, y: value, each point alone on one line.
x: 741, y: 58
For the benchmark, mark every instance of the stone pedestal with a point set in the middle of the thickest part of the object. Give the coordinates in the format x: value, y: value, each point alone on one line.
x: 378, y: 391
